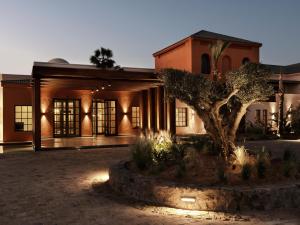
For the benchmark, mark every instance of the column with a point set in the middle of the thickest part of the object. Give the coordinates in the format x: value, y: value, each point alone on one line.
x: 172, y: 116
x: 145, y: 109
x: 36, y: 114
x: 153, y: 109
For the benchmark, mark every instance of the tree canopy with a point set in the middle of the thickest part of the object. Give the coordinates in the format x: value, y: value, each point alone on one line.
x: 102, y: 58
x: 221, y: 104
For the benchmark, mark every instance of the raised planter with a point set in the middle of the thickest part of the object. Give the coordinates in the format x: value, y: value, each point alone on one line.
x: 194, y: 197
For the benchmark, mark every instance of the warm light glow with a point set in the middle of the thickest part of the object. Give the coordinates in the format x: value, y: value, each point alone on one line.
x: 56, y: 111
x: 100, y: 177
x: 1, y: 149
x: 188, y: 199
x: 43, y: 109
x: 102, y: 87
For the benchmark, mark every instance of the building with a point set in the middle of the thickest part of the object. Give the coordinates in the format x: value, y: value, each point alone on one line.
x: 61, y: 100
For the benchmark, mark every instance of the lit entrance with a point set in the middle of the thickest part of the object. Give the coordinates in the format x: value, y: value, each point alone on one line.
x: 66, y: 118
x: 104, y: 117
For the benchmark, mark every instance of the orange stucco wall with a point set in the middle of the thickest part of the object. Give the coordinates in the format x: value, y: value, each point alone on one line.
x: 177, y: 58
x: 194, y: 123
x: 235, y: 52
x: 14, y: 94
x: 187, y: 56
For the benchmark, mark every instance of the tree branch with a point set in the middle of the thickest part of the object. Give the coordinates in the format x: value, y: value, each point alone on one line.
x: 224, y: 101
x: 235, y: 125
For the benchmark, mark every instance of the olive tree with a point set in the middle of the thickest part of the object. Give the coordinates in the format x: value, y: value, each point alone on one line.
x: 220, y: 103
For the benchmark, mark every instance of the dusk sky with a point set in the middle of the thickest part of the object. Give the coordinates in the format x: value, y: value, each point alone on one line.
x: 38, y: 30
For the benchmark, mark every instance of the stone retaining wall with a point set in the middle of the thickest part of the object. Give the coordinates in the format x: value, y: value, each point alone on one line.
x: 149, y: 190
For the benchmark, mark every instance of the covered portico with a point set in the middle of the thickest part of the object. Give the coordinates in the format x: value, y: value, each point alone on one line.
x: 126, y: 87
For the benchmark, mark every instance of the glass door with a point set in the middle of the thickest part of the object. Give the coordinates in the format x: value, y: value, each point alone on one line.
x: 66, y: 118
x: 98, y: 117
x: 104, y: 117
x: 110, y: 117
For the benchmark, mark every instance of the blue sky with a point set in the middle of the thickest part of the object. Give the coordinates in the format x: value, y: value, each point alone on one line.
x: 38, y: 30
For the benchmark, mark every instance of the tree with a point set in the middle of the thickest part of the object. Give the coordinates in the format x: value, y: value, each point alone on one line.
x: 217, y: 50
x: 102, y: 58
x: 220, y: 104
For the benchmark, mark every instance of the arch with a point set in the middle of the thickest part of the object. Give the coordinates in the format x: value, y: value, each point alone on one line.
x: 226, y: 64
x: 205, y: 64
x: 245, y: 60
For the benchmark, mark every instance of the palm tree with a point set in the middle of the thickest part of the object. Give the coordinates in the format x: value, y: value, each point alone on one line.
x: 102, y: 58
x: 217, y: 49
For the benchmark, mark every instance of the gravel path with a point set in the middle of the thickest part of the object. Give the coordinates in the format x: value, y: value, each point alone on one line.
x: 66, y: 187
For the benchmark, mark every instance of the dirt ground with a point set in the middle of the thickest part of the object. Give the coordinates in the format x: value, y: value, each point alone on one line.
x: 68, y: 187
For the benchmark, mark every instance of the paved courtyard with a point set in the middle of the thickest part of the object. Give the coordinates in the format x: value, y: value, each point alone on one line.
x: 66, y: 187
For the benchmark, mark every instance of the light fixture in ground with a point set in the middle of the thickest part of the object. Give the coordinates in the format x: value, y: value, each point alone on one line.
x: 188, y: 199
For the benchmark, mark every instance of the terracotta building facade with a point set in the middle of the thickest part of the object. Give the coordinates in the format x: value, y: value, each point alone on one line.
x: 61, y: 100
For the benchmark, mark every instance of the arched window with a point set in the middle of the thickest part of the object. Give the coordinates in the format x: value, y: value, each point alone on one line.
x: 226, y: 64
x: 245, y: 60
x: 205, y: 64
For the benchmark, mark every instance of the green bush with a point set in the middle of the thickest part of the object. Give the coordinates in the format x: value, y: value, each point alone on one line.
x: 246, y: 171
x: 142, y: 153
x: 161, y: 146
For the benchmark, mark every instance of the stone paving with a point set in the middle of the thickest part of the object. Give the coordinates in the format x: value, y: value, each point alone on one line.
x: 67, y: 187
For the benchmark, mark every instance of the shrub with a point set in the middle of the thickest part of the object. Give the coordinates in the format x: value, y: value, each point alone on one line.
x: 161, y: 143
x: 241, y: 156
x: 177, y: 152
x: 142, y: 153
x: 246, y: 171
x: 262, y: 161
x: 201, y: 143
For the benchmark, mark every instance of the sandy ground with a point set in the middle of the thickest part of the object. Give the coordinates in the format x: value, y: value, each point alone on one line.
x: 67, y: 187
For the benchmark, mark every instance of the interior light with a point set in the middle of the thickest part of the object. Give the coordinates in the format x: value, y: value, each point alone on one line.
x: 102, y: 87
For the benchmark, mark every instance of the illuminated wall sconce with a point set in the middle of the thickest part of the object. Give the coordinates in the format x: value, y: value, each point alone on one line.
x: 125, y: 113
x: 188, y: 199
x: 43, y: 113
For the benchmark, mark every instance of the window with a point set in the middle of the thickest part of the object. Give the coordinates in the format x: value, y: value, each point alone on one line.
x: 226, y: 64
x: 181, y: 117
x: 205, y: 64
x: 135, y: 116
x: 245, y: 60
x: 23, y: 118
x: 257, y: 116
